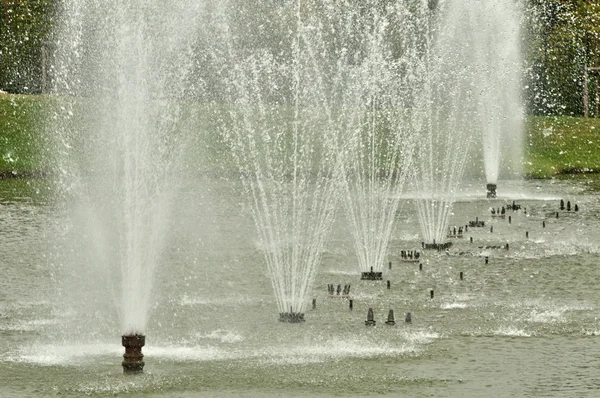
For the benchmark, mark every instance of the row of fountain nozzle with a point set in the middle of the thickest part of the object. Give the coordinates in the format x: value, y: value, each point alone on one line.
x: 562, y: 205
x: 410, y: 254
x: 332, y: 290
x: 390, y: 319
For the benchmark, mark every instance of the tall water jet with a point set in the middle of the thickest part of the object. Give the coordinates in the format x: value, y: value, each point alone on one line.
x: 119, y: 75
x: 380, y: 143
x: 283, y: 132
x: 489, y: 51
x: 443, y: 123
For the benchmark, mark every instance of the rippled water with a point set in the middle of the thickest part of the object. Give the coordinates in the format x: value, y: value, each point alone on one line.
x: 523, y: 325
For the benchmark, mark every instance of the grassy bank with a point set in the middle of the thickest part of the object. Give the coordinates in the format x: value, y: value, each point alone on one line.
x: 21, y: 143
x: 554, y: 145
x: 561, y: 145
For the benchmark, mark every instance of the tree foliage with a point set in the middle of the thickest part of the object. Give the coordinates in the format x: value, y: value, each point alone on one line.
x: 561, y: 38
x: 25, y: 29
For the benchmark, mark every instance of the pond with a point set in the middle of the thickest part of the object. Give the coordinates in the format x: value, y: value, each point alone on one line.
x: 525, y: 324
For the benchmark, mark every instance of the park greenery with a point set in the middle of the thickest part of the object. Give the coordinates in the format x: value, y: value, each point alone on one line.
x: 554, y: 145
x: 560, y: 38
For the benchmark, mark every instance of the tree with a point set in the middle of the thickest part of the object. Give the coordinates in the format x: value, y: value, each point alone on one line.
x: 24, y: 33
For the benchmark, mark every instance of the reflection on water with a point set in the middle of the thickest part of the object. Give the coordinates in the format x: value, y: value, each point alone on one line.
x: 522, y: 325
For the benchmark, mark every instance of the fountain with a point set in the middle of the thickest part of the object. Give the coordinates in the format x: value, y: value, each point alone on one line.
x: 115, y: 231
x: 380, y: 142
x: 489, y: 40
x: 443, y: 125
x: 473, y: 89
x: 118, y: 136
x: 283, y: 131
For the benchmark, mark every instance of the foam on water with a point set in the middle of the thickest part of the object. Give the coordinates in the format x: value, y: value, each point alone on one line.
x: 341, y: 272
x: 316, y: 352
x: 58, y: 354
x: 191, y: 300
x: 224, y: 336
x: 454, y: 305
x: 511, y: 331
x: 81, y: 354
x: 29, y: 326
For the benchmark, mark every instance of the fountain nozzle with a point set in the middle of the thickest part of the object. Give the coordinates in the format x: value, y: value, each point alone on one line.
x: 491, y: 190
x: 291, y: 317
x: 133, y: 359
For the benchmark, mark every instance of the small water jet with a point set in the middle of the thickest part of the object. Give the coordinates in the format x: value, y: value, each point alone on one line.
x: 380, y: 139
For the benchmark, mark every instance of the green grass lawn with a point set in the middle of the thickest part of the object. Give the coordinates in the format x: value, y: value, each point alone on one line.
x: 21, y: 144
x: 561, y: 145
x: 554, y: 145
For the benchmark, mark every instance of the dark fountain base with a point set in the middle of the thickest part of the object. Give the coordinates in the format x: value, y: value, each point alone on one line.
x: 291, y: 317
x: 133, y: 359
x: 371, y: 276
x: 491, y: 191
x: 437, y: 246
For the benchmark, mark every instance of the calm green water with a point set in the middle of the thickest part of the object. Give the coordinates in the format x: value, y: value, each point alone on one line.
x: 523, y: 325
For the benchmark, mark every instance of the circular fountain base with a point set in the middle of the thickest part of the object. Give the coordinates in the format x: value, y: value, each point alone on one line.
x: 437, y: 246
x: 371, y: 276
x: 291, y: 317
x: 133, y: 359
